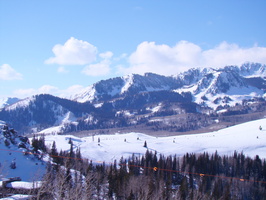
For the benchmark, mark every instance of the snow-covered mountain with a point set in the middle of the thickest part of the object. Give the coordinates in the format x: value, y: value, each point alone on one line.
x: 42, y: 111
x: 8, y: 101
x: 223, y: 87
x: 122, y: 86
x: 208, y: 85
x: 143, y: 100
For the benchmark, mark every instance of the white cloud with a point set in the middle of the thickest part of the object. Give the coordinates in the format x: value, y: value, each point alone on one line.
x: 48, y: 89
x: 99, y: 69
x: 23, y: 93
x: 232, y: 54
x: 121, y: 57
x: 8, y: 73
x: 73, y: 52
x: 106, y: 55
x: 167, y: 60
x: 45, y: 89
x: 74, y: 89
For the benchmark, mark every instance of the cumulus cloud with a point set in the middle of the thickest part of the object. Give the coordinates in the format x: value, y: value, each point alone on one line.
x: 49, y: 89
x: 45, y: 89
x: 99, y: 69
x: 23, y: 93
x: 168, y: 60
x: 73, y: 52
x: 106, y: 55
x: 67, y: 93
x: 8, y: 73
x: 232, y: 54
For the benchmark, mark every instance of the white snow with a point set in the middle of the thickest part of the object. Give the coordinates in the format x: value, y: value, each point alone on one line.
x: 52, y: 130
x: 67, y: 118
x: 87, y: 94
x: 7, y: 101
x: 18, y: 197
x: 23, y: 103
x: 24, y: 185
x: 28, y: 167
x: 98, y: 105
x: 244, y: 137
x: 128, y: 82
x: 155, y: 109
x: 60, y: 123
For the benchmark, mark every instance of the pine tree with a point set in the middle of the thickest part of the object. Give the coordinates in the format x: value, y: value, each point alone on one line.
x: 145, y: 144
x: 35, y: 143
x: 183, y: 189
x: 54, y: 153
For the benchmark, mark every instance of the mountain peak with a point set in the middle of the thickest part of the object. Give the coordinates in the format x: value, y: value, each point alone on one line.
x: 8, y: 101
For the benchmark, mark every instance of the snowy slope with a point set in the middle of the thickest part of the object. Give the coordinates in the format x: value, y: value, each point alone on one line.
x: 221, y: 88
x: 21, y: 103
x: 8, y: 101
x: 28, y: 168
x: 244, y: 137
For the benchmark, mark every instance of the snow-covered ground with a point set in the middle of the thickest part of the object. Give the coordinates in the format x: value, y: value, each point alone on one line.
x: 18, y: 197
x: 244, y: 137
x: 28, y: 168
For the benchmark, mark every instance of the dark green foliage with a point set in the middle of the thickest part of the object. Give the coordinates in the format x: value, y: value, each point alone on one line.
x: 153, y: 176
x: 145, y: 144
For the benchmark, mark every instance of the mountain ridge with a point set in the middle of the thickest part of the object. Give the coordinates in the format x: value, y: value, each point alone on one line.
x: 135, y: 100
x: 120, y: 86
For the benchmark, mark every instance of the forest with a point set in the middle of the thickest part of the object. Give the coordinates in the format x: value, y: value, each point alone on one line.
x: 153, y: 176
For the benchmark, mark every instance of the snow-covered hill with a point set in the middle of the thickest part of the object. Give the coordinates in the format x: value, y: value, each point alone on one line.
x: 39, y: 112
x: 14, y: 162
x: 8, y: 101
x: 246, y: 138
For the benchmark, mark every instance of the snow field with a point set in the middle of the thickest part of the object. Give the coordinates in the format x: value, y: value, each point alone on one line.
x: 246, y: 138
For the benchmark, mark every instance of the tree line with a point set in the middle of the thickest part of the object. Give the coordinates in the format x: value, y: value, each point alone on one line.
x: 153, y: 176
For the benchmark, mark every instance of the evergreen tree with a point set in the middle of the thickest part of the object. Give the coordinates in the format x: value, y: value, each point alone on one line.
x: 54, y: 154
x: 145, y: 144
x: 183, y: 189
x: 35, y: 144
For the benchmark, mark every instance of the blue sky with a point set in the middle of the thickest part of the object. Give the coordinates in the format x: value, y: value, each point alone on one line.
x: 62, y: 46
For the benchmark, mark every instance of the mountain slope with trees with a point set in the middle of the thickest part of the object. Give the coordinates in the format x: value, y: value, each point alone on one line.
x: 192, y: 100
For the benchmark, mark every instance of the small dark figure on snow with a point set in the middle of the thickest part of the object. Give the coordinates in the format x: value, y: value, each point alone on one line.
x: 260, y: 128
x: 145, y: 144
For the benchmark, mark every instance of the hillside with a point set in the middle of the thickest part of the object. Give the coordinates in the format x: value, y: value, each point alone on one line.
x: 16, y: 158
x: 205, y: 165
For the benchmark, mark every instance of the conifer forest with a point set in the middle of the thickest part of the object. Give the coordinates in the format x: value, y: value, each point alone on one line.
x: 152, y: 176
